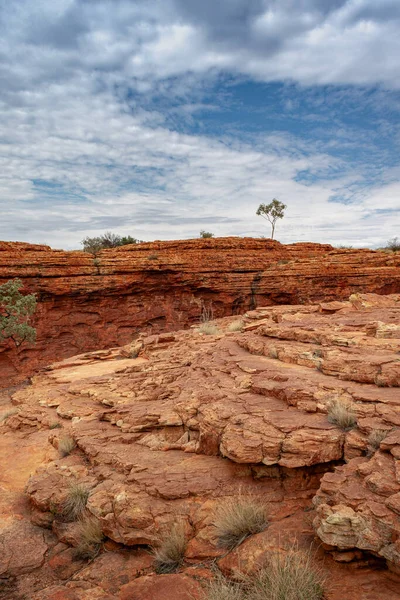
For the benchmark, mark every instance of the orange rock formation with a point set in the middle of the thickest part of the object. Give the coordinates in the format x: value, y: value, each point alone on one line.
x: 88, y: 303
x: 196, y: 419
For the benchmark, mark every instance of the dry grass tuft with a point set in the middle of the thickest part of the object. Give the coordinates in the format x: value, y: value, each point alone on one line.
x: 169, y: 555
x: 209, y: 329
x: 75, y: 503
x: 8, y: 413
x: 236, y: 325
x: 288, y: 575
x: 342, y: 414
x: 65, y: 445
x: 375, y: 438
x: 89, y: 536
x: 237, y: 518
x: 220, y: 588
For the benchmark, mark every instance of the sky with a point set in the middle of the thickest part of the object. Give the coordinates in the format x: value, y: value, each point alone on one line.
x: 162, y: 118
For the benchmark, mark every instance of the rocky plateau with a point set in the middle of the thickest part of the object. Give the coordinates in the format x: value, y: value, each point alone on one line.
x: 170, y: 426
x: 88, y: 302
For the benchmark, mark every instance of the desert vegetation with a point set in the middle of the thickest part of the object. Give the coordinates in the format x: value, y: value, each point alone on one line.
x: 237, y: 518
x: 66, y: 444
x: 16, y: 310
x: 106, y: 240
x: 272, y: 212
x: 168, y: 556
x: 89, y: 536
x: 236, y: 325
x: 342, y: 414
x: 393, y: 245
x: 288, y: 574
x: 75, y: 502
x: 375, y: 438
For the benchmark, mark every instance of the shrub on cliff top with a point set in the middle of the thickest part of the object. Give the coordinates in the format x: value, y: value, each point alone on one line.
x: 107, y: 240
x: 15, y: 312
x: 393, y: 245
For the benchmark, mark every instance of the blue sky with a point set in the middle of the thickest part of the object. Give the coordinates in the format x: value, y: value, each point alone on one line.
x: 159, y: 119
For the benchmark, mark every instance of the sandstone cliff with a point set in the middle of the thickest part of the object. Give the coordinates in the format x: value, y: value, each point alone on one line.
x: 88, y: 303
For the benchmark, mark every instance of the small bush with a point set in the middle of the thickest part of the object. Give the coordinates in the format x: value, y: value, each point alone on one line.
x: 169, y: 555
x: 206, y: 234
x: 8, y: 413
x: 89, y: 536
x: 375, y: 438
x: 236, y: 325
x: 75, y: 503
x: 220, y: 588
x: 342, y: 414
x: 55, y: 425
x: 237, y: 518
x: 288, y: 575
x: 273, y: 352
x: 65, y: 445
x: 393, y: 245
x: 209, y: 329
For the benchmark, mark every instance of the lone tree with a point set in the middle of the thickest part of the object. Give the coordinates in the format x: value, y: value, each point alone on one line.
x: 206, y: 234
x: 272, y: 212
x: 15, y: 311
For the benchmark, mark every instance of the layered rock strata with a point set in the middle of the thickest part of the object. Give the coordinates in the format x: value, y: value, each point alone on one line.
x: 88, y: 303
x: 172, y: 426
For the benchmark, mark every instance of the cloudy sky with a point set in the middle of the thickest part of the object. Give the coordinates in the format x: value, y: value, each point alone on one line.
x: 160, y: 118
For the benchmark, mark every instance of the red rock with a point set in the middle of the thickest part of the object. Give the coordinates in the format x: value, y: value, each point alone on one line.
x: 162, y: 587
x: 88, y: 303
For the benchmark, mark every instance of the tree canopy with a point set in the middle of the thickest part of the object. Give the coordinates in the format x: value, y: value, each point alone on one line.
x: 206, y: 234
x: 107, y: 240
x: 15, y: 312
x: 272, y: 212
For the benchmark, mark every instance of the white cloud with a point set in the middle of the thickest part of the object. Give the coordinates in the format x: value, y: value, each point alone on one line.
x: 86, y: 143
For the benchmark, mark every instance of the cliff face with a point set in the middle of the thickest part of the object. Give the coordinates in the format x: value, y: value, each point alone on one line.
x: 88, y: 303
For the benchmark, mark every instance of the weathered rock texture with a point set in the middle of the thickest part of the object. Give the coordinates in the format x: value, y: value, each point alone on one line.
x: 197, y: 419
x: 88, y: 303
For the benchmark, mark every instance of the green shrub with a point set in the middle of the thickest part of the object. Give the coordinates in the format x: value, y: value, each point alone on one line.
x: 107, y: 240
x: 15, y: 312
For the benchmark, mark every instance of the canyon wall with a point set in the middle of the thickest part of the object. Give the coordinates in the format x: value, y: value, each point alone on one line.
x: 87, y: 302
